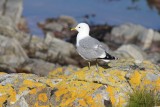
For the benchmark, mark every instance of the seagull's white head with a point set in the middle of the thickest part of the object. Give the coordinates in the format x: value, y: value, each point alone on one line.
x: 82, y: 28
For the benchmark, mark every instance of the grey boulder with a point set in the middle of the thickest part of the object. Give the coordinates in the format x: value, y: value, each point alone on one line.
x: 11, y: 52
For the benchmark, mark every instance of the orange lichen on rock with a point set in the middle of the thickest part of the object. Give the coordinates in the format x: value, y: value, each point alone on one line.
x: 111, y: 91
x: 32, y: 84
x: 135, y: 79
x: 2, y: 73
x: 33, y: 91
x: 12, y: 97
x: 69, y: 92
x: 117, y: 98
x: 139, y: 80
x: 157, y: 84
x: 3, y: 98
x: 62, y: 72
x: 66, y: 87
x: 7, y: 90
x: 89, y: 75
x: 37, y: 105
x: 148, y: 65
x: 43, y: 97
x: 22, y: 89
x: 82, y: 103
x: 49, y: 82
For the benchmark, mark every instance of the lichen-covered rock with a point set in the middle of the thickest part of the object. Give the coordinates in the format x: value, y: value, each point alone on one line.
x: 63, y: 72
x: 19, y: 90
x: 112, y: 84
x: 69, y: 87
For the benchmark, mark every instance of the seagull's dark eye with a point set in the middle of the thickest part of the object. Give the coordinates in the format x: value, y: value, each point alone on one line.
x: 79, y: 27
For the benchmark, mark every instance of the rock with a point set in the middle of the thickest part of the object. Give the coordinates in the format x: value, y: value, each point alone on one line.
x: 25, y: 90
x: 22, y: 25
x: 36, y: 44
x: 132, y: 50
x: 69, y: 20
x: 54, y: 27
x: 60, y: 26
x: 51, y: 49
x: 127, y: 32
x: 36, y: 47
x: 6, y: 22
x: 63, y: 72
x: 71, y: 87
x: 57, y: 49
x: 1, y: 6
x: 130, y: 32
x: 156, y: 37
x: 12, y: 53
x: 12, y: 9
x: 49, y: 37
x: 11, y: 13
x: 60, y: 46
x: 146, y: 38
x: 154, y: 57
x: 112, y: 82
x: 38, y: 67
x: 9, y: 29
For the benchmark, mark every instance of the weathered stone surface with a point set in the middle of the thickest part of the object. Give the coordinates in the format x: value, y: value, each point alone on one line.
x: 127, y: 31
x: 12, y: 9
x: 52, y: 49
x: 37, y: 66
x: 9, y: 29
x: 68, y: 19
x: 132, y: 50
x: 67, y: 87
x: 6, y: 22
x: 154, y: 57
x: 146, y: 38
x: 60, y: 26
x: 60, y: 46
x: 1, y: 6
x: 25, y: 90
x: 11, y: 52
x: 63, y: 72
x: 156, y: 36
x: 130, y: 32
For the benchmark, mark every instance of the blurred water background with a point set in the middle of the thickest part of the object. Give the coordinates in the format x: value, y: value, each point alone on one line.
x: 112, y: 12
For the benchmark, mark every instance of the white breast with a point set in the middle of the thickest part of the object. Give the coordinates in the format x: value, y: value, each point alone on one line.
x: 80, y: 37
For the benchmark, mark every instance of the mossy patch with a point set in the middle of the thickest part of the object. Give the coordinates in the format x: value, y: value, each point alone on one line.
x: 143, y: 98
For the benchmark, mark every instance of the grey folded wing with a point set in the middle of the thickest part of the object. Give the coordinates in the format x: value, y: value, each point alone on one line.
x: 90, y: 48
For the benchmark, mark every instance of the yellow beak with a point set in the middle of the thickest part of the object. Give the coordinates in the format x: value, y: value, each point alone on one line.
x: 73, y: 29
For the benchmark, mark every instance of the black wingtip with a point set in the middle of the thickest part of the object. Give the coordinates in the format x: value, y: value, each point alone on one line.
x: 109, y: 57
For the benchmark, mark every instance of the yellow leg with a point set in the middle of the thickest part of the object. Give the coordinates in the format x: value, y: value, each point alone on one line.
x: 97, y: 67
x: 89, y: 65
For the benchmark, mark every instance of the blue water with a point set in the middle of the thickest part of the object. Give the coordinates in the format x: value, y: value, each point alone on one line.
x: 112, y: 12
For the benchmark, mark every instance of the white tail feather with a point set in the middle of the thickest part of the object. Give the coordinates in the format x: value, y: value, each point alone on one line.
x: 105, y: 60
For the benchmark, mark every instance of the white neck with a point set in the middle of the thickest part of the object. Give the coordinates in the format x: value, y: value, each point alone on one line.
x: 80, y: 36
